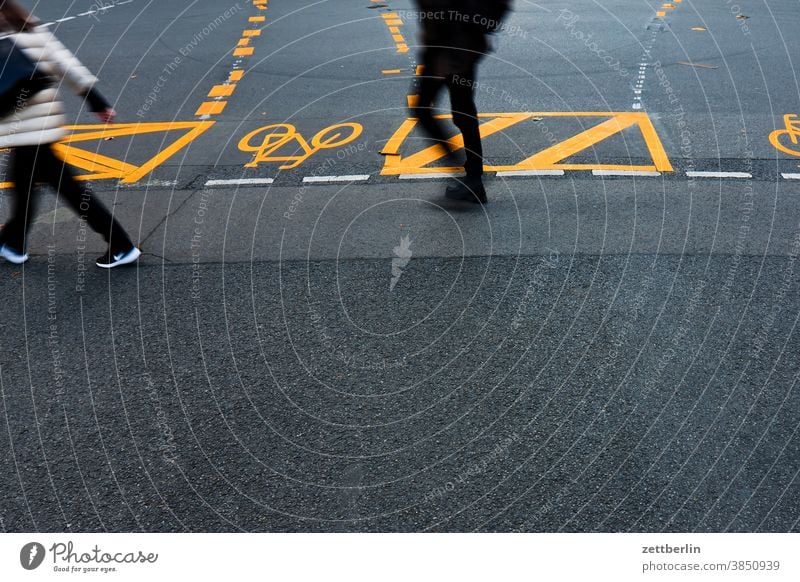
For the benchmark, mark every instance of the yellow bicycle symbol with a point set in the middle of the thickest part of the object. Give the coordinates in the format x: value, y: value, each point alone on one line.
x: 267, y: 141
x: 792, y: 131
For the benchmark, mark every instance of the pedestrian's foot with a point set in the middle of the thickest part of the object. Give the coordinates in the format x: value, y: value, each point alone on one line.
x: 115, y: 259
x: 12, y: 256
x: 469, y: 189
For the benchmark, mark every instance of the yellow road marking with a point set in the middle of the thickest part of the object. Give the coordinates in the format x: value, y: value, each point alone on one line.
x: 254, y: 32
x: 661, y: 14
x: 221, y: 91
x: 413, y: 100
x: 243, y: 51
x: 267, y: 143
x: 244, y: 41
x: 392, y: 71
x: 211, y: 108
x: 236, y: 75
x: 548, y: 159
x: 257, y: 19
x: 104, y: 167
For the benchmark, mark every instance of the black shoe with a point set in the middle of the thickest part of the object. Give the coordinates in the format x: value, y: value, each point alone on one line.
x: 115, y: 259
x: 469, y: 189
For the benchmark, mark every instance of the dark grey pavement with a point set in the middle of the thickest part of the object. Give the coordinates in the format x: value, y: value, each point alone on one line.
x: 584, y: 353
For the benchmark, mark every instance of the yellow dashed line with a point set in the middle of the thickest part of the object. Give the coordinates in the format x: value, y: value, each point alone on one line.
x: 211, y: 108
x: 392, y: 71
x: 221, y: 91
x: 243, y: 49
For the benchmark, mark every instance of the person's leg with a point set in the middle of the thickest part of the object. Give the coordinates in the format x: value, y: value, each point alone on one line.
x: 62, y: 179
x: 15, y: 232
x: 465, y: 118
x: 430, y: 86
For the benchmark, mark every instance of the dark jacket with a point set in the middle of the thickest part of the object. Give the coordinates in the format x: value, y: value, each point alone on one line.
x: 455, y: 32
x: 460, y: 24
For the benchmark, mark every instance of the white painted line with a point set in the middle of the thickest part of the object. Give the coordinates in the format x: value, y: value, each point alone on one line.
x: 791, y: 176
x: 66, y: 19
x: 320, y: 179
x: 241, y: 182
x: 635, y: 173
x: 513, y: 173
x: 432, y: 176
x: 719, y: 175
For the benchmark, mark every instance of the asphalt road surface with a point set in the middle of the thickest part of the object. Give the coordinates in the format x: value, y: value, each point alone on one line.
x: 316, y: 340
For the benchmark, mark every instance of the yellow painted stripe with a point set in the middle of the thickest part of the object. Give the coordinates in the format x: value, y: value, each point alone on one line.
x: 243, y: 51
x: 221, y: 91
x: 393, y: 22
x: 398, y: 38
x: 243, y: 42
x: 236, y: 76
x: 6, y: 185
x: 402, y: 48
x: 257, y: 19
x: 390, y: 15
x: 661, y: 14
x: 420, y: 69
x: 254, y: 32
x: 413, y: 100
x: 394, y: 30
x: 211, y: 108
x: 391, y: 71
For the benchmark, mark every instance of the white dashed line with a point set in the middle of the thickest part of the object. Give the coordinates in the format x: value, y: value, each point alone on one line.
x: 719, y: 174
x: 519, y: 173
x: 323, y: 179
x: 67, y: 18
x: 791, y: 176
x: 432, y: 176
x: 631, y: 173
x: 241, y: 182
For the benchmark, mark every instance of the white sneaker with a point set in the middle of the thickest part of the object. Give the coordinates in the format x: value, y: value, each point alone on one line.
x: 111, y: 260
x: 12, y: 256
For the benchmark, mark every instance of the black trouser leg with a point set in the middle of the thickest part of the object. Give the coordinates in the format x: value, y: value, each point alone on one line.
x: 60, y: 176
x: 429, y: 89
x: 465, y: 117
x: 23, y: 207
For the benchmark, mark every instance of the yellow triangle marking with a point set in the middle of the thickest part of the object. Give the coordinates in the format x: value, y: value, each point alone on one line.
x: 104, y: 167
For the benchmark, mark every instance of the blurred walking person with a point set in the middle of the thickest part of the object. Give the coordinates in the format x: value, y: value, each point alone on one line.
x: 35, y: 122
x: 454, y: 38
